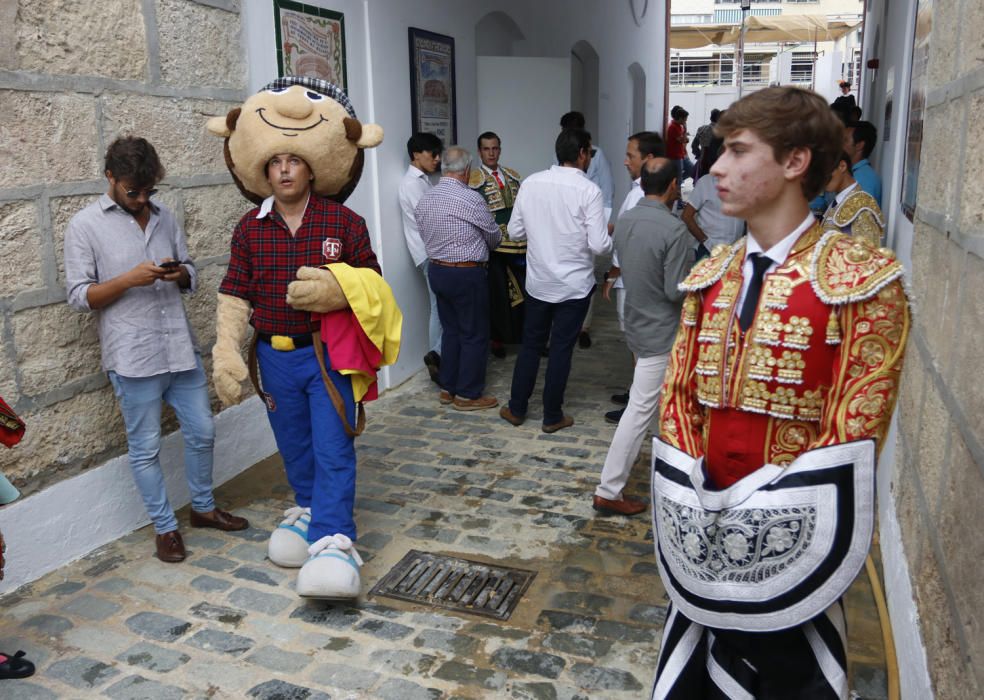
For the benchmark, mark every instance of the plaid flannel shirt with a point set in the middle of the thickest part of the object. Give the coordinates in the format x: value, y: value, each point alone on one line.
x: 265, y: 259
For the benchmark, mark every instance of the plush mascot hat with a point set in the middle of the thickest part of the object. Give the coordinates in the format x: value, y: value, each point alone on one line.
x: 308, y: 117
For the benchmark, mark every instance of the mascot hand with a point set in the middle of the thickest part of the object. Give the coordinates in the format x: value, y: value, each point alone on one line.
x: 228, y: 369
x: 316, y: 290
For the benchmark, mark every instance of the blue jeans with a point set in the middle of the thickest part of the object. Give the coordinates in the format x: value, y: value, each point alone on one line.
x: 463, y: 304
x: 559, y: 322
x: 140, y: 402
x: 434, y: 324
x: 319, y: 457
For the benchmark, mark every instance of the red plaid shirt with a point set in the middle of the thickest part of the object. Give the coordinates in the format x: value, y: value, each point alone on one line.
x: 265, y: 259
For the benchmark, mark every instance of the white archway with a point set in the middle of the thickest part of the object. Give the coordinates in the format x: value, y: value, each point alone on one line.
x: 496, y: 34
x: 585, y: 90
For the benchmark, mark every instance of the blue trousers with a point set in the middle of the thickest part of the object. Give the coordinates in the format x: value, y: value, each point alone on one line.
x: 319, y: 457
x: 559, y: 323
x: 140, y: 403
x: 463, y: 305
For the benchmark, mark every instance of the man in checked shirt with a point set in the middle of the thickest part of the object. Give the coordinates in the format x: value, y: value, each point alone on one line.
x: 291, y: 232
x: 458, y: 231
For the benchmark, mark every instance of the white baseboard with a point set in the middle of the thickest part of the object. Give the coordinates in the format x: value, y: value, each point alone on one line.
x: 72, y: 518
x: 914, y: 682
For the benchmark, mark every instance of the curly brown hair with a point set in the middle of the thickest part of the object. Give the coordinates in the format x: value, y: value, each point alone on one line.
x: 788, y: 118
x: 133, y: 159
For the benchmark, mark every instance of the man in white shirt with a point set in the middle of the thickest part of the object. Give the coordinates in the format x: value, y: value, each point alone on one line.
x: 600, y: 173
x: 425, y: 159
x: 560, y: 213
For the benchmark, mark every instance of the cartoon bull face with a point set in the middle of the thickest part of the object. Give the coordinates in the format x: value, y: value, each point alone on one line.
x: 296, y: 119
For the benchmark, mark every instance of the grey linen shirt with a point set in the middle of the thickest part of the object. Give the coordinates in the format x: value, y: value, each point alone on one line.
x: 455, y: 223
x: 656, y: 252
x: 145, y: 332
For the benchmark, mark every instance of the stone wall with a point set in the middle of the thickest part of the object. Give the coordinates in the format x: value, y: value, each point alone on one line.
x: 73, y: 77
x: 939, y: 487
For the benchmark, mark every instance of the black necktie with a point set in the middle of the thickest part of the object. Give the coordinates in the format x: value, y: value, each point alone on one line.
x: 760, y: 264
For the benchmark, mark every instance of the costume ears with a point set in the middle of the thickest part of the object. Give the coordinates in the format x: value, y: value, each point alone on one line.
x: 363, y: 135
x: 224, y: 126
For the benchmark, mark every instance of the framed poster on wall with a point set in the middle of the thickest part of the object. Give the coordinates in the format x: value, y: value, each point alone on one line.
x: 310, y: 42
x: 432, y: 87
x: 918, y: 85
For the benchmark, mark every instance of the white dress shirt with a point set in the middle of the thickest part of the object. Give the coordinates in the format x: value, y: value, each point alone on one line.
x: 415, y: 182
x: 777, y: 253
x: 559, y: 212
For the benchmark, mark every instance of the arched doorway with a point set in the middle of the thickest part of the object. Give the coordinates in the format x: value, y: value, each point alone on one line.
x: 496, y: 34
x: 584, y: 83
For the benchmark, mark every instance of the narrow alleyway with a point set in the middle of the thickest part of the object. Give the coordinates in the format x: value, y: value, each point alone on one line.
x: 227, y: 624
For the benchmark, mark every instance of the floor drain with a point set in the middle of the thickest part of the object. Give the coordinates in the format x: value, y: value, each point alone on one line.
x: 455, y: 584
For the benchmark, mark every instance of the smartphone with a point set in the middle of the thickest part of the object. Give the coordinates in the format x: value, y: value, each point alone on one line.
x: 169, y: 264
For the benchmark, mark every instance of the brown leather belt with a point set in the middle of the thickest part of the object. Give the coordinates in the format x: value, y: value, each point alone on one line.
x: 467, y: 263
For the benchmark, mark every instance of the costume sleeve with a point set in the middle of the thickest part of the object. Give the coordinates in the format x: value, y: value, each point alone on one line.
x: 360, y: 253
x: 239, y: 274
x: 866, y: 228
x: 867, y: 368
x: 681, y: 418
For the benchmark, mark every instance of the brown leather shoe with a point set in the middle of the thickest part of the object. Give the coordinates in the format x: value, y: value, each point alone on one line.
x: 219, y: 519
x: 565, y: 422
x: 478, y: 404
x: 170, y: 547
x: 627, y: 506
x: 445, y: 397
x: 507, y: 415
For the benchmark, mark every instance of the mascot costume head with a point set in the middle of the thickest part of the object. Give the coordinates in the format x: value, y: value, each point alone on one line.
x: 308, y: 117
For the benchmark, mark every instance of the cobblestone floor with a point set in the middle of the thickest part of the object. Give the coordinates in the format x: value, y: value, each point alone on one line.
x: 227, y: 624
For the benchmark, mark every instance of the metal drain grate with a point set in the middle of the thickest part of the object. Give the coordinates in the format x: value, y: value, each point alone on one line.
x: 456, y: 584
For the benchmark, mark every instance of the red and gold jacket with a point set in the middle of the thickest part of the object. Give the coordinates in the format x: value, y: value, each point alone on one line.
x: 820, y: 364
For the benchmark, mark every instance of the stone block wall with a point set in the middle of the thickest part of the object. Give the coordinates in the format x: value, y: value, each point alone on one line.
x: 73, y: 77
x: 939, y: 485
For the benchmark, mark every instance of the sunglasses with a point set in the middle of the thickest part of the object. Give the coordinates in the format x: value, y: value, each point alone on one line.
x: 133, y: 194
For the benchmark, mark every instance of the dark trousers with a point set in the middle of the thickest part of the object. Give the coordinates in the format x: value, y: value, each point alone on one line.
x: 463, y: 307
x: 559, y: 323
x: 507, y: 288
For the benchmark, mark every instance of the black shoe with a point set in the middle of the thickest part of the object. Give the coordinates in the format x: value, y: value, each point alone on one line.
x: 614, y: 416
x: 433, y: 363
x: 621, y: 399
x: 15, y: 666
x: 583, y: 339
x: 499, y: 350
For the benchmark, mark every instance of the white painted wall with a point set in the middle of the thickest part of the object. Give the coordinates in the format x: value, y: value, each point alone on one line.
x: 72, y: 518
x: 543, y: 87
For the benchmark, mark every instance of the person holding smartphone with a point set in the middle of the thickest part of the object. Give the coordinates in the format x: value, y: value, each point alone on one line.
x: 127, y: 261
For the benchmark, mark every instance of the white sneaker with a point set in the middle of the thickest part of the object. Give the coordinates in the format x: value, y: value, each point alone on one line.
x: 288, y: 546
x: 332, y: 571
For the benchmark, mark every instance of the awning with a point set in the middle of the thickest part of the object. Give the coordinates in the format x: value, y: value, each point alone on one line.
x: 760, y: 30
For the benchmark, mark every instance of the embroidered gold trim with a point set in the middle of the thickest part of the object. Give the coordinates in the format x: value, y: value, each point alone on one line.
x: 845, y: 270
